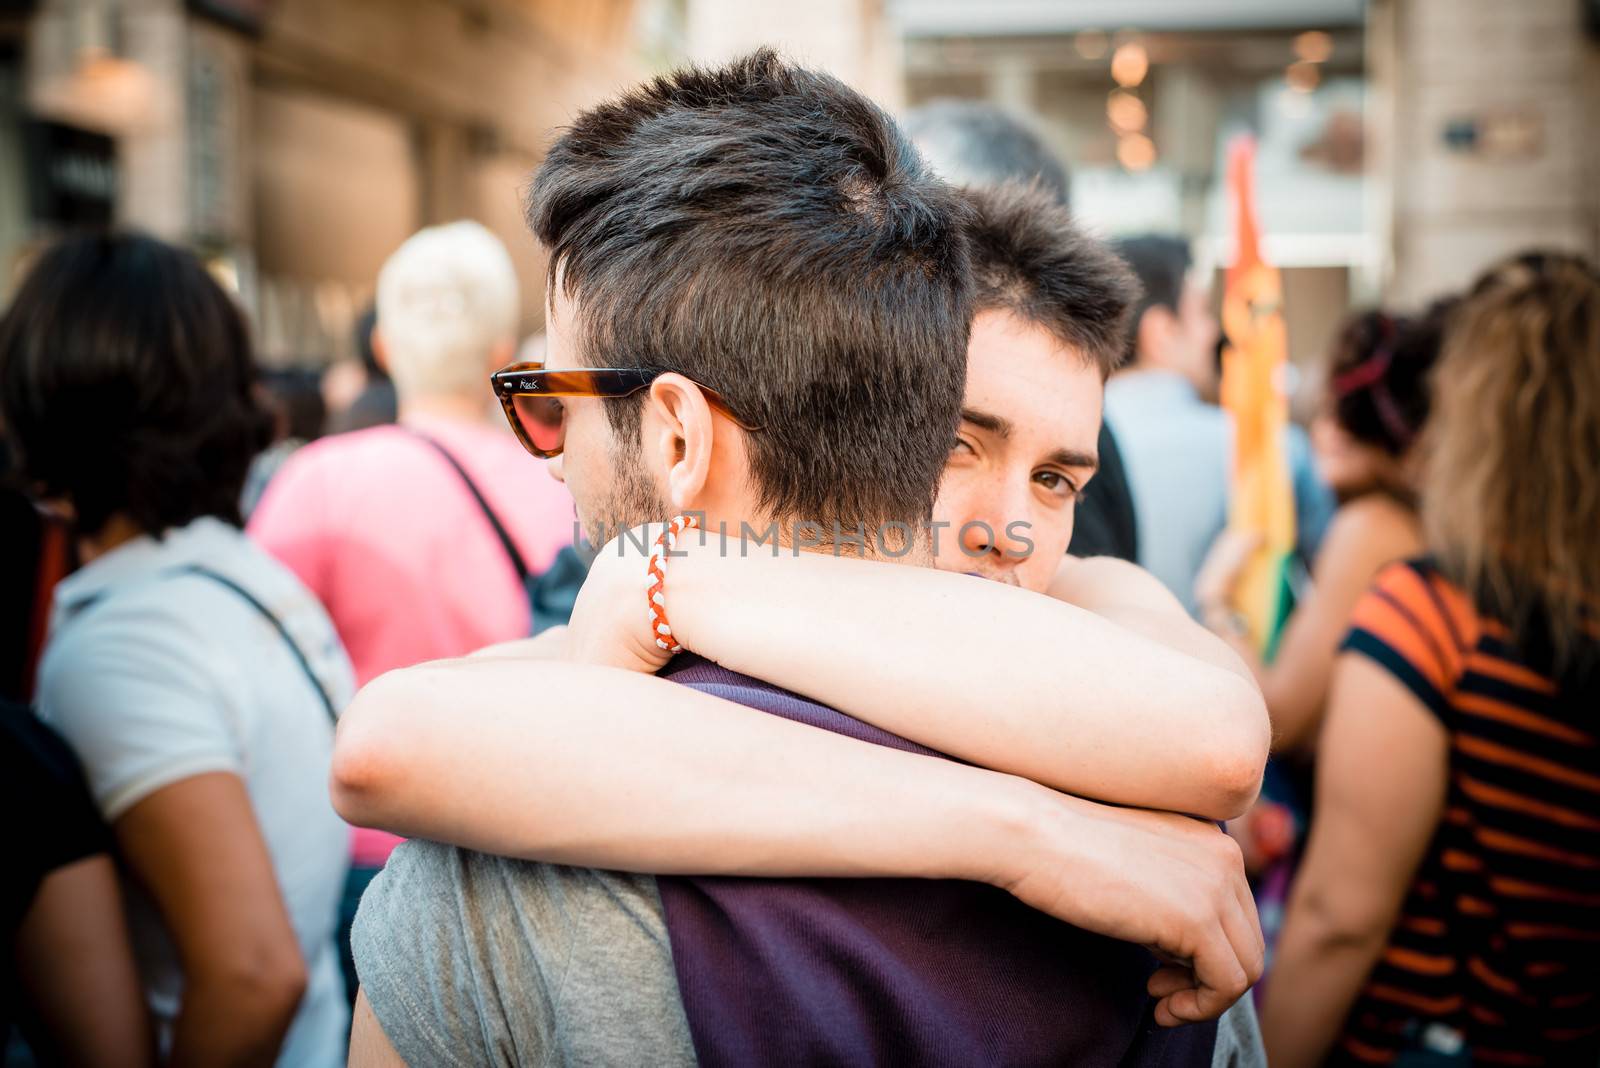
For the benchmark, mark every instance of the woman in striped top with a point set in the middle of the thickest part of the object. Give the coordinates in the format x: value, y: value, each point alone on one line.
x: 1449, y: 905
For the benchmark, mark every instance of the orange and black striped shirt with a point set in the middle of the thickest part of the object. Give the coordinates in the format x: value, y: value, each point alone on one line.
x: 1499, y: 935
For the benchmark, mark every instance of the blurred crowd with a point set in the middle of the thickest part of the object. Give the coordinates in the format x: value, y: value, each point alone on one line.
x: 209, y: 561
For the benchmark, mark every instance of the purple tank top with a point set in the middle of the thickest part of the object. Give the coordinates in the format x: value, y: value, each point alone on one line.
x: 897, y: 971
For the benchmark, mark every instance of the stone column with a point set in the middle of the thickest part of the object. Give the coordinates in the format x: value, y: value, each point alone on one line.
x: 851, y: 39
x: 1484, y: 115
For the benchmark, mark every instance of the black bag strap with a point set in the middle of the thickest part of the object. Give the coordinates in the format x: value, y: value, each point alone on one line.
x: 283, y: 632
x: 488, y: 513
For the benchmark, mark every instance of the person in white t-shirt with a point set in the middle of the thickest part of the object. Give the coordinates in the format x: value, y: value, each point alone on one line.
x: 195, y: 677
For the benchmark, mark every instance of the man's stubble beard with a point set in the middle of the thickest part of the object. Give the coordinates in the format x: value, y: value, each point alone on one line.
x: 632, y: 500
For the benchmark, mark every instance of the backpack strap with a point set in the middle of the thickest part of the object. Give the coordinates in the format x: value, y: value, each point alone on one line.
x: 488, y: 513
x: 283, y: 632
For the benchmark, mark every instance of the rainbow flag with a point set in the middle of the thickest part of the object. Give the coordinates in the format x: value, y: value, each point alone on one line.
x: 1262, y: 495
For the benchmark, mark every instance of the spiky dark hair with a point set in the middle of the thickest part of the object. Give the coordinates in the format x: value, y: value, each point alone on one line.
x: 1029, y: 258
x: 767, y: 231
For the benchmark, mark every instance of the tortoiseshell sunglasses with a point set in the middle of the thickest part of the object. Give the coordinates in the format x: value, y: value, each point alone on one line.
x: 532, y: 396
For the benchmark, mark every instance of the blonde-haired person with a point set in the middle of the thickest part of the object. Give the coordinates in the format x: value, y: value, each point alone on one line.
x: 386, y: 525
x: 1449, y: 904
x: 378, y: 522
x: 447, y: 310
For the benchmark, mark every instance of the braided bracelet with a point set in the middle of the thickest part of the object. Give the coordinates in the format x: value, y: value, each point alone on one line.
x: 655, y: 591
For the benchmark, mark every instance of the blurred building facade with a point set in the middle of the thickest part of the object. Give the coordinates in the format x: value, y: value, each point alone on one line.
x: 1402, y: 143
x: 1140, y: 99
x: 295, y: 143
x: 1484, y: 133
x: 856, y: 40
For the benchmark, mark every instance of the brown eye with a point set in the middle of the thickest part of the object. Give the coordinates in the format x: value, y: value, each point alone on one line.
x: 1057, y: 483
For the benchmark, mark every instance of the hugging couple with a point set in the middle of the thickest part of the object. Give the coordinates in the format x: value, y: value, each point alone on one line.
x: 875, y: 810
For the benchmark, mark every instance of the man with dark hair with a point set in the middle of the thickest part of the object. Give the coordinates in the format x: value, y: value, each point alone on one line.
x: 1175, y: 442
x: 838, y: 296
x: 976, y: 144
x: 807, y: 345
x: 1049, y: 313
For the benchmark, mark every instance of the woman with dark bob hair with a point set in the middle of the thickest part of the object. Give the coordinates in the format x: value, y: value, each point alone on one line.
x: 194, y: 676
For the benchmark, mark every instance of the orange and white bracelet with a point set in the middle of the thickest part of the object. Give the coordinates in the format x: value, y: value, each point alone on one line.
x: 655, y: 591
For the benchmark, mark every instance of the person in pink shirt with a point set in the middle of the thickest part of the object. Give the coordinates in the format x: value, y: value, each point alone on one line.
x: 378, y: 523
x: 381, y: 524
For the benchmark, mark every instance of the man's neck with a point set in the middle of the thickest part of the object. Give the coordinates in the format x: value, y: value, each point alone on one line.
x: 453, y: 407
x: 119, y: 530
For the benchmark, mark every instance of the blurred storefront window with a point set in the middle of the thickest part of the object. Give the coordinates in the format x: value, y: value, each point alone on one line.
x: 294, y: 144
x: 1140, y: 99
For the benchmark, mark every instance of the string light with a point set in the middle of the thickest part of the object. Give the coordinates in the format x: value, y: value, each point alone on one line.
x: 1126, y: 112
x: 1129, y: 64
x: 1136, y: 152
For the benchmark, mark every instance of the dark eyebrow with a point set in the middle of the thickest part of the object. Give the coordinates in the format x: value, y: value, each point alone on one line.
x: 1001, y: 427
x: 984, y: 421
x: 1073, y: 458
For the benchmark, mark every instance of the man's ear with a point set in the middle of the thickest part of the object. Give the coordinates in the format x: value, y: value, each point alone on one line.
x: 380, y: 349
x: 677, y: 432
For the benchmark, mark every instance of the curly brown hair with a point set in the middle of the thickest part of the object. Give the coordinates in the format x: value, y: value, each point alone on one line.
x: 1511, y: 498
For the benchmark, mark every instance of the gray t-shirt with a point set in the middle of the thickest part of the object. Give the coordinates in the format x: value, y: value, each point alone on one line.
x: 469, y: 959
x: 475, y: 960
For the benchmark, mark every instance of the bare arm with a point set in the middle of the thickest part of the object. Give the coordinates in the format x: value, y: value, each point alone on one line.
x: 577, y: 763
x: 78, y: 973
x: 1131, y: 597
x: 196, y: 847
x: 659, y: 777
x: 989, y: 673
x: 1364, y: 536
x: 1382, y: 769
x: 369, y: 1046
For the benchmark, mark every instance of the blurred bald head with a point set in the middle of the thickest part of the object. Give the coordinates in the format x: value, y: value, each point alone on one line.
x: 971, y: 143
x: 447, y: 310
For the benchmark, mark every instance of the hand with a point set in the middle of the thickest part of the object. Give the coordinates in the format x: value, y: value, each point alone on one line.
x: 1173, y: 884
x: 610, y: 622
x: 1224, y: 565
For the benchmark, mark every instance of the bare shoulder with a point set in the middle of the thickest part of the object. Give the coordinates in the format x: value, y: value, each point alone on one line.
x: 1369, y: 532
x: 1376, y: 512
x: 1086, y: 581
